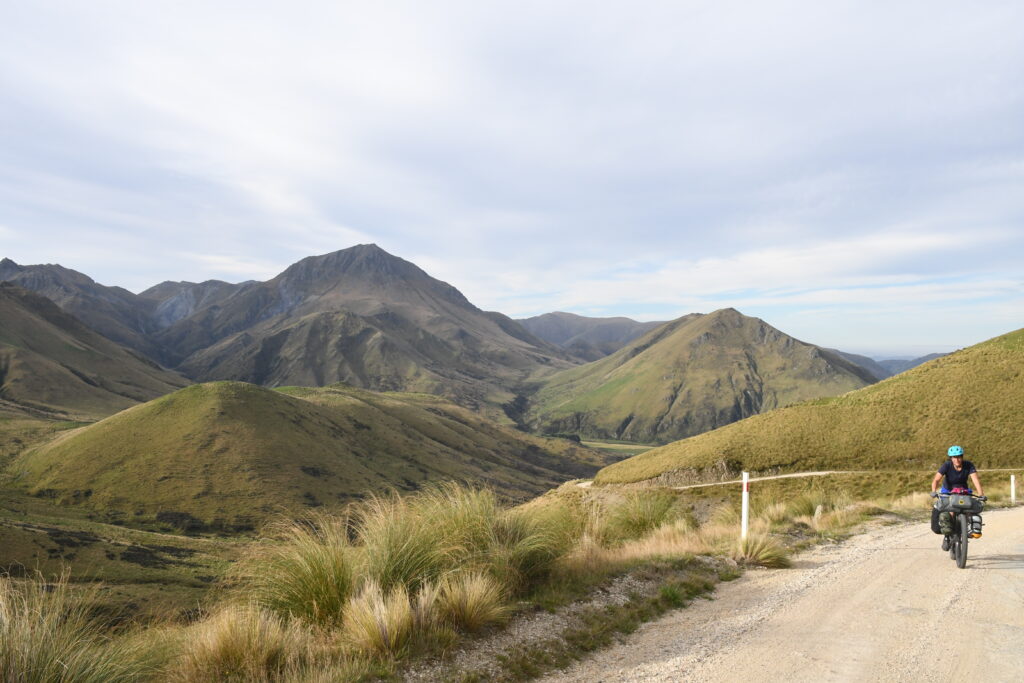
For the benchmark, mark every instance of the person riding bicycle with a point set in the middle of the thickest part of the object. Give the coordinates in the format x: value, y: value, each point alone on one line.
x: 956, y: 472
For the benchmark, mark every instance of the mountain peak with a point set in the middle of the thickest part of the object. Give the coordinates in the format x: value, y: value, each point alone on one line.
x: 363, y: 270
x: 8, y: 268
x: 361, y: 259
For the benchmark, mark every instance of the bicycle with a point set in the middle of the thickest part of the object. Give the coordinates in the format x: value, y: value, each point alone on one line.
x: 964, y: 507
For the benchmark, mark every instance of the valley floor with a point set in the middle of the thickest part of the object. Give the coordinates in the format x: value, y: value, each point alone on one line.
x: 875, y: 607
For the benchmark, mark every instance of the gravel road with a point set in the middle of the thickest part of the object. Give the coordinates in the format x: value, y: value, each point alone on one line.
x: 882, y: 606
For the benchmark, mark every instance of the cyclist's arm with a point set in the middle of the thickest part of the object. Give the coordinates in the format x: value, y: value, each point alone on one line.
x: 936, y: 480
x: 977, y: 483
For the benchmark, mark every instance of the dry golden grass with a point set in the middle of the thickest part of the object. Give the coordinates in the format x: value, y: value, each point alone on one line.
x: 378, y: 622
x: 306, y: 572
x: 471, y: 601
x: 48, y: 633
x: 762, y: 550
x: 244, y: 643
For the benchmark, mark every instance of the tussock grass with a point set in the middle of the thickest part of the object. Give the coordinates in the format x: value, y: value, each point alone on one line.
x: 47, y: 633
x: 416, y: 540
x: 640, y: 513
x: 762, y: 550
x: 243, y: 643
x: 673, y: 540
x: 380, y: 622
x: 471, y: 601
x: 401, y: 546
x: 308, y: 573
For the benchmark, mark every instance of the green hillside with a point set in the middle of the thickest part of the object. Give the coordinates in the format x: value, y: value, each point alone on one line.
x: 972, y: 397
x: 52, y: 365
x: 690, y: 376
x: 230, y: 454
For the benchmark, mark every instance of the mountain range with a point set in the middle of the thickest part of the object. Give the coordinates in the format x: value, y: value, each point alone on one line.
x: 359, y: 316
x: 372, y: 320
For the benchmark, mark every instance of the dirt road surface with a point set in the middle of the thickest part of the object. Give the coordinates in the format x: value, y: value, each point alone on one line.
x: 881, y: 606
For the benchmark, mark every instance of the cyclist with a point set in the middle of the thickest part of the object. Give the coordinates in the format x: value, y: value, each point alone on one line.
x: 956, y: 471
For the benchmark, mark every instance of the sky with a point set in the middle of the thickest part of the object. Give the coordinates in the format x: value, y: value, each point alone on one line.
x: 851, y: 172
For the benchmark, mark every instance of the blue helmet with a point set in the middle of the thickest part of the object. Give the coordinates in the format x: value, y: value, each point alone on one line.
x: 955, y: 452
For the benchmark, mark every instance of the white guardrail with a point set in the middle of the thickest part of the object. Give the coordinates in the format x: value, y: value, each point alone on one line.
x: 744, y: 518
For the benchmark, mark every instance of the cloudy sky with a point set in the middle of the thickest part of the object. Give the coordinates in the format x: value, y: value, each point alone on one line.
x: 852, y: 172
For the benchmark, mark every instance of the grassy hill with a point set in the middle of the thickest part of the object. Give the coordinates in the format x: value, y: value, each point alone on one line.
x: 53, y: 365
x: 229, y: 454
x: 972, y: 397
x: 690, y: 376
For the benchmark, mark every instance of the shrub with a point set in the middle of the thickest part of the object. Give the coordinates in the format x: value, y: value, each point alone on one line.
x: 243, y: 643
x: 47, y: 634
x: 307, y: 575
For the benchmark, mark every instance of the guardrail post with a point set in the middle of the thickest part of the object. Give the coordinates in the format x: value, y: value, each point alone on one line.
x: 746, y: 505
x: 1013, y: 490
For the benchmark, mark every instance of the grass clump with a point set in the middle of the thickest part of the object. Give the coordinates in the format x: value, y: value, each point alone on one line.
x: 47, y: 634
x: 243, y: 643
x: 640, y: 513
x: 762, y: 550
x: 308, y: 574
x: 380, y: 622
x: 401, y: 545
x: 472, y: 601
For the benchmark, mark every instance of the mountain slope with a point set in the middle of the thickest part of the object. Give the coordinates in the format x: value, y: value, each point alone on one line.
x: 690, y: 376
x: 365, y: 317
x: 114, y: 312
x: 358, y: 315
x: 972, y: 397
x: 169, y: 302
x: 896, y: 366
x: 52, y: 363
x: 230, y: 454
x: 586, y: 338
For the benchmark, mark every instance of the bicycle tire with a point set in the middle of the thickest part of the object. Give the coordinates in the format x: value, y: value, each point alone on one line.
x: 963, y: 533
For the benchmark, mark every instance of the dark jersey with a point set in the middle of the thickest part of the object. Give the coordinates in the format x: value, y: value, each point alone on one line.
x: 956, y: 479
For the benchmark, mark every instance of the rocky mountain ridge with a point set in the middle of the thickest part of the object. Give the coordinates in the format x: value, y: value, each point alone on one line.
x: 359, y: 315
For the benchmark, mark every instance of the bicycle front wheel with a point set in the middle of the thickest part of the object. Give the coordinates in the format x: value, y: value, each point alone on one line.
x: 963, y: 532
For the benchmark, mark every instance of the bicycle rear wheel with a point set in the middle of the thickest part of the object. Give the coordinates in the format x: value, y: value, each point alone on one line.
x: 963, y: 532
